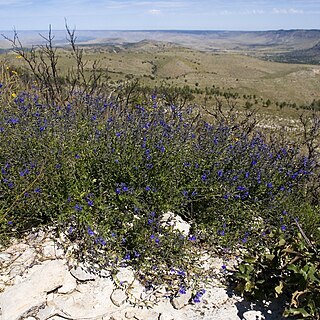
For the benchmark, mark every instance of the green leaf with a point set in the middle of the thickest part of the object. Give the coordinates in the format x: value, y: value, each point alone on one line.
x: 249, y: 286
x: 250, y: 259
x: 279, y: 288
x: 297, y: 311
x: 293, y: 268
x: 270, y: 256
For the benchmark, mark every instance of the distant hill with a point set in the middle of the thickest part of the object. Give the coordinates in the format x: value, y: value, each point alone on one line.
x: 282, y: 40
x: 307, y: 56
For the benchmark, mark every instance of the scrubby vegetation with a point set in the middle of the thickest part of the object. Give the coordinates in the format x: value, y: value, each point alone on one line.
x: 104, y: 162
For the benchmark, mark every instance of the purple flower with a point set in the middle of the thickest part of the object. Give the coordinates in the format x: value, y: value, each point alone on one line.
x: 196, y: 299
x: 127, y: 256
x: 283, y: 228
x: 204, y: 177
x: 90, y: 232
x: 220, y: 173
x: 182, y: 290
x: 24, y: 172
x: 181, y: 273
x: 148, y: 188
x: 77, y: 207
x: 13, y: 120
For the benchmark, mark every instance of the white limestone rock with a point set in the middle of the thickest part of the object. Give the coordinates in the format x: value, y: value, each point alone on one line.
x: 253, y: 315
x: 174, y: 220
x: 118, y: 297
x: 69, y: 284
x: 81, y: 274
x: 181, y: 300
x: 32, y: 292
x: 215, y: 296
x: 51, y: 251
x: 90, y: 300
x: 125, y: 275
x: 136, y: 291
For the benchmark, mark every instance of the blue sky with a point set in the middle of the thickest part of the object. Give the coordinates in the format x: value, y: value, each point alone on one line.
x: 160, y: 14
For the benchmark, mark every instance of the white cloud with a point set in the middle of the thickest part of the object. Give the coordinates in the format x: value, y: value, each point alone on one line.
x: 154, y: 11
x: 242, y: 12
x: 287, y: 11
x: 292, y: 10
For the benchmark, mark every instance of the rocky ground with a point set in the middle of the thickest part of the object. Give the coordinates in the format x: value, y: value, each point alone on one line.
x: 37, y: 281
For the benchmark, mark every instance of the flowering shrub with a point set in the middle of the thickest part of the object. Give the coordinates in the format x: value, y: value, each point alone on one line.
x: 105, y: 171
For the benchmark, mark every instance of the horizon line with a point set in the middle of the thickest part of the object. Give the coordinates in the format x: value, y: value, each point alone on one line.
x: 167, y: 30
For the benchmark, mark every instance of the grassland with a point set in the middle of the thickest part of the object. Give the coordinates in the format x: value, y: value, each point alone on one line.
x: 154, y: 63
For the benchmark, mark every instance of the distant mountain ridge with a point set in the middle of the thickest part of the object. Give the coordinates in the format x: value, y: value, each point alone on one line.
x: 274, y: 44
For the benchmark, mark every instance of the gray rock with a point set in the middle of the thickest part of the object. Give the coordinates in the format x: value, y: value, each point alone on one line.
x: 181, y: 300
x: 18, y: 299
x: 118, y: 297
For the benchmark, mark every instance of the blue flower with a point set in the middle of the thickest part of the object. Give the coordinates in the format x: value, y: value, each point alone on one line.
x: 24, y: 172
x: 13, y: 120
x: 220, y: 173
x: 127, y: 256
x: 77, y: 207
x: 90, y: 231
x: 90, y: 202
x: 182, y: 290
